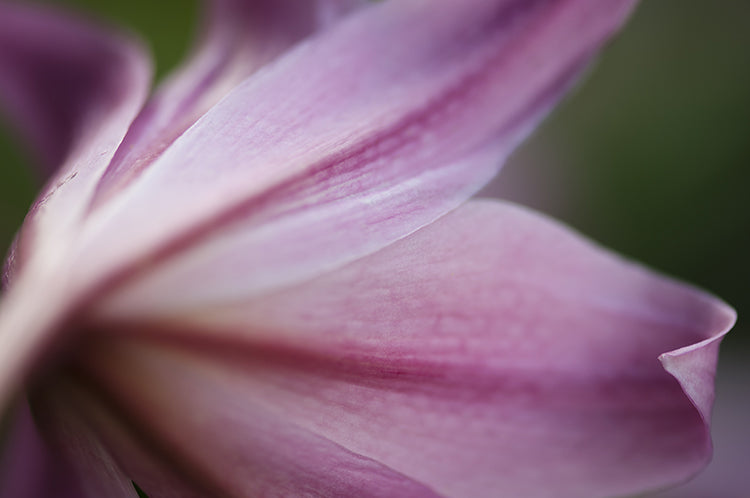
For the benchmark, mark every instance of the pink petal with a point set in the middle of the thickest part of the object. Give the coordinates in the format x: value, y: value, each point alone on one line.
x: 73, y: 88
x: 76, y: 89
x: 214, y: 444
x: 239, y: 38
x: 347, y: 143
x: 492, y: 353
x: 59, y: 77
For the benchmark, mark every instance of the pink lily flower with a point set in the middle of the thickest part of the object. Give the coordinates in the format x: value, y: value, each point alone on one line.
x: 266, y: 279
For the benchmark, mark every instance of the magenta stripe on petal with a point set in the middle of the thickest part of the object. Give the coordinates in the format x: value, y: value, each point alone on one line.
x: 492, y: 353
x: 275, y: 290
x: 372, y: 129
x: 240, y: 37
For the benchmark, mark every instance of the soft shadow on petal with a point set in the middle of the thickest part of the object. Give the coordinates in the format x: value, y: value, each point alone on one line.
x: 240, y: 37
x: 491, y: 353
x: 100, y: 451
x: 79, y: 447
x: 28, y: 469
x: 212, y: 444
x: 352, y: 140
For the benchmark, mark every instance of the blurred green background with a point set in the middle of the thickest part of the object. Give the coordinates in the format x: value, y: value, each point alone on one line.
x: 648, y: 157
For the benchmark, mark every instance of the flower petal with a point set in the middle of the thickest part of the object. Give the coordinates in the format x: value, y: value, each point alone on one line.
x: 89, y: 460
x: 74, y: 88
x: 239, y: 38
x: 352, y: 140
x: 114, y: 76
x: 230, y: 446
x: 492, y: 353
x: 60, y: 77
x: 28, y: 469
x: 90, y: 436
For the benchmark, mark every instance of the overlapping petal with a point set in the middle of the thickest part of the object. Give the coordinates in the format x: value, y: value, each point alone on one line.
x: 28, y: 467
x: 267, y: 457
x: 74, y: 88
x: 372, y: 129
x: 62, y: 79
x: 513, y: 360
x: 98, y: 83
x: 96, y: 450
x: 88, y: 459
x: 265, y: 309
x: 240, y: 37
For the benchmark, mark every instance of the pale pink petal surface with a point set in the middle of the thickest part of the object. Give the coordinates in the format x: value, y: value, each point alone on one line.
x: 239, y: 37
x: 355, y: 139
x: 491, y: 353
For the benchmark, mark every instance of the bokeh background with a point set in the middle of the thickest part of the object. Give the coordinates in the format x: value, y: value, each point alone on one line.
x: 649, y: 157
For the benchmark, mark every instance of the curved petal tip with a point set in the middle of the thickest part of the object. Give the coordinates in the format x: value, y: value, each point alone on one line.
x: 694, y: 366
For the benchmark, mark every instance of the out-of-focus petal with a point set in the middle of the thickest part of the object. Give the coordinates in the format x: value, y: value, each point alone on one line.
x: 28, y: 469
x: 74, y: 88
x: 492, y: 353
x: 355, y: 139
x: 98, y: 473
x: 105, y: 454
x: 60, y: 78
x: 239, y: 38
